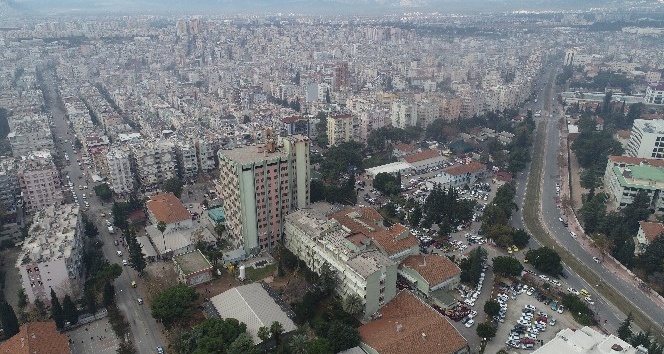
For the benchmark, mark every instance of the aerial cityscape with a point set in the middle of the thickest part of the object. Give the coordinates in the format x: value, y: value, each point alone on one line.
x: 332, y: 176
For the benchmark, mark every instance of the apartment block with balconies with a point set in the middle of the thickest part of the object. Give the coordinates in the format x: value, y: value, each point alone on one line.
x: 120, y: 174
x: 39, y: 181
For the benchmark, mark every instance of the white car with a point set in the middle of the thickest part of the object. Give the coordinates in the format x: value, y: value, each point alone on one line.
x: 470, y: 323
x: 573, y: 291
x: 124, y: 262
x: 590, y: 301
x: 544, y: 277
x: 597, y: 260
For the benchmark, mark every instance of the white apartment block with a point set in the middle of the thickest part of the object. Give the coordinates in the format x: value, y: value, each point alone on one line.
x: 205, y: 152
x: 654, y: 94
x: 51, y: 255
x: 342, y: 127
x: 187, y: 160
x: 360, y: 267
x: 39, y: 181
x: 625, y: 176
x: 403, y: 114
x: 646, y: 139
x: 371, y: 120
x: 155, y: 162
x: 119, y: 170
x: 9, y: 189
x: 30, y: 133
x: 427, y: 112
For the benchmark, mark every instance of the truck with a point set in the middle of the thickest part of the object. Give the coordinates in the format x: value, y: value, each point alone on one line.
x: 110, y: 230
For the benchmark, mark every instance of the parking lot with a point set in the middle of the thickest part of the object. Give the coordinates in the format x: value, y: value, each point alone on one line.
x: 95, y: 337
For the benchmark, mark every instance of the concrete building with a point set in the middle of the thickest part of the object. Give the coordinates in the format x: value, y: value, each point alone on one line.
x: 30, y: 133
x: 403, y: 114
x: 622, y: 181
x: 587, y: 341
x: 39, y: 181
x: 9, y: 188
x: 360, y: 267
x: 205, y: 152
x: 51, y: 255
x: 646, y: 139
x: 409, y: 325
x: 654, y: 93
x: 425, y: 159
x: 259, y: 186
x: 459, y: 175
x: 342, y: 127
x: 433, y: 276
x: 647, y: 233
x: 193, y: 268
x: 120, y: 174
x: 154, y: 162
x: 167, y: 208
x: 371, y: 120
x: 187, y: 160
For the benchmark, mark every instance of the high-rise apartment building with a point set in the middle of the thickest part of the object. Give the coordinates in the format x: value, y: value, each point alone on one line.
x: 646, y: 139
x: 9, y: 189
x: 259, y: 186
x: 51, y: 256
x: 119, y: 170
x: 340, y: 78
x: 39, y: 181
x: 404, y: 114
x: 342, y: 127
x: 30, y: 133
x: 205, y: 154
x: 187, y: 160
x: 155, y: 162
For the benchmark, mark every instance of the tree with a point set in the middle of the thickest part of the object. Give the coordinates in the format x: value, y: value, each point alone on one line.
x: 212, y: 336
x: 173, y: 185
x: 492, y: 308
x: 174, y: 303
x: 264, y: 333
x: 107, y: 273
x: 320, y: 346
x: 56, y: 311
x: 243, y: 344
x: 486, y: 330
x: 69, y: 310
x: 298, y: 344
x: 276, y: 330
x: 353, y: 304
x: 603, y: 243
x: 415, y: 216
x: 126, y: 347
x: 108, y: 294
x: 327, y: 281
x: 90, y: 300
x: 625, y: 330
x: 507, y: 266
x: 22, y: 299
x: 520, y: 238
x: 103, y: 191
x: 8, y: 320
x: 136, y: 256
x: 545, y: 259
x: 342, y: 336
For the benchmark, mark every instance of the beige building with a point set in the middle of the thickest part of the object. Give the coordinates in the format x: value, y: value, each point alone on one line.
x: 30, y: 133
x: 342, y: 127
x: 155, y: 162
x: 205, y: 153
x: 432, y: 275
x: 118, y: 161
x: 39, y: 181
x: 187, y: 160
x: 51, y: 255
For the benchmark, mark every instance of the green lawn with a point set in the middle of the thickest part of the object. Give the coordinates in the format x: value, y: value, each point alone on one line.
x: 260, y: 273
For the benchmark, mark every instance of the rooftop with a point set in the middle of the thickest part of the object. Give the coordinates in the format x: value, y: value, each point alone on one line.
x: 421, y: 156
x: 640, y: 176
x: 472, y: 167
x: 192, y: 262
x: 655, y: 126
x: 51, y: 235
x: 651, y: 229
x: 434, y: 269
x: 407, y: 322
x: 585, y: 341
x: 250, y: 154
x: 37, y: 338
x: 168, y: 208
x: 633, y: 161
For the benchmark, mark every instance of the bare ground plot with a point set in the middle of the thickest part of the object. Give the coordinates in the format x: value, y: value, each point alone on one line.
x: 96, y: 337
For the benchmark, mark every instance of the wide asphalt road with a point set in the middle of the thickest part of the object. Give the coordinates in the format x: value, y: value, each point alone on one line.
x: 145, y: 332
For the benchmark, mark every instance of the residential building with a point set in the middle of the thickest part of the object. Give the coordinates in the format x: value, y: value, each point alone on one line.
x: 39, y: 181
x: 187, y: 160
x: 37, y: 338
x: 51, y: 255
x: 403, y: 114
x: 205, y: 152
x: 622, y: 181
x: 154, y: 162
x: 9, y: 188
x: 646, y: 139
x: 648, y: 232
x: 408, y: 324
x: 459, y: 175
x: 342, y: 127
x: 259, y: 186
x: 586, y: 340
x: 423, y: 160
x: 372, y: 120
x: 30, y: 133
x: 360, y: 267
x: 120, y: 174
x: 252, y: 305
x: 654, y: 93
x: 193, y: 268
x: 433, y: 276
x: 167, y: 208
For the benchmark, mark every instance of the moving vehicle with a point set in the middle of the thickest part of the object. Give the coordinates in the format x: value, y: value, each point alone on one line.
x: 133, y: 283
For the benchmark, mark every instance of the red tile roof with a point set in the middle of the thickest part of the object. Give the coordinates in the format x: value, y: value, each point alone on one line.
x: 36, y: 338
x: 624, y: 134
x: 421, y: 156
x: 405, y: 147
x: 168, y: 208
x: 408, y: 325
x: 472, y: 167
x: 651, y: 229
x: 394, y: 239
x: 291, y: 119
x: 628, y: 160
x: 434, y: 269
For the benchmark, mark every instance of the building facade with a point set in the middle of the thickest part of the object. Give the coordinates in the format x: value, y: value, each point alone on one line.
x: 646, y: 139
x: 154, y: 162
x: 120, y: 174
x: 259, y: 186
x: 187, y: 160
x: 654, y: 93
x: 205, y: 152
x: 9, y: 188
x: 625, y: 177
x: 39, y: 181
x: 342, y: 127
x: 51, y: 257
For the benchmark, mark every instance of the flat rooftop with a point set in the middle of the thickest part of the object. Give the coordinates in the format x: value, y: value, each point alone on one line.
x: 192, y: 262
x: 250, y: 154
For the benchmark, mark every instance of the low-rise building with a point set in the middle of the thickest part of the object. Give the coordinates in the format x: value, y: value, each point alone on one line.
x: 193, y: 268
x: 408, y: 324
x: 39, y: 181
x: 51, y: 255
x: 625, y: 176
x: 654, y: 93
x: 586, y: 341
x: 167, y: 208
x: 647, y: 233
x: 459, y: 175
x: 431, y: 273
x: 37, y: 338
x: 425, y: 159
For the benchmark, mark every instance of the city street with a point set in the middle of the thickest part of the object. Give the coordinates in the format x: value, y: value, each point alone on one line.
x: 145, y: 332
